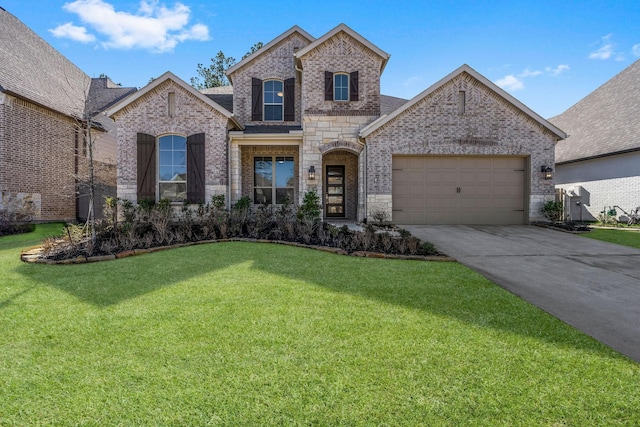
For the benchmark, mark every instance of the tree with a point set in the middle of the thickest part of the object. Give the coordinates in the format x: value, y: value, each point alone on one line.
x: 215, y: 74
x: 256, y: 47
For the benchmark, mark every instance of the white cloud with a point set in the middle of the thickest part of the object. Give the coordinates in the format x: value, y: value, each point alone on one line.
x: 529, y: 73
x: 558, y: 70
x: 605, y: 51
x: 154, y: 27
x: 73, y: 32
x: 636, y: 49
x: 510, y: 82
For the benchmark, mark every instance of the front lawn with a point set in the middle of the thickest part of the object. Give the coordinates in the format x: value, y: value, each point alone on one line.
x: 263, y: 334
x: 620, y: 237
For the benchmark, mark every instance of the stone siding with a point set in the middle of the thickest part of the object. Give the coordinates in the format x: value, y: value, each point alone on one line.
x: 150, y: 115
x: 37, y: 158
x: 276, y: 63
x: 489, y: 125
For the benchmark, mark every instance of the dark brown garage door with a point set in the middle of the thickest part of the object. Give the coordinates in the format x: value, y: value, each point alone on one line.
x: 458, y: 190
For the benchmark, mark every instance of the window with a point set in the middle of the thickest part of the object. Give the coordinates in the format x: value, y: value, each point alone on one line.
x: 273, y: 97
x: 172, y: 168
x: 273, y: 180
x: 340, y: 87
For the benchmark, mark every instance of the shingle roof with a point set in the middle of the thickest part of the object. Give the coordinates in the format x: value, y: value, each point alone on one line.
x: 605, y: 122
x: 390, y: 103
x: 104, y: 93
x: 31, y: 68
x: 225, y: 100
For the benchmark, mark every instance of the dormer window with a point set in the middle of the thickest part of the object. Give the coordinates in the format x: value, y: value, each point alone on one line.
x: 273, y: 100
x: 340, y: 87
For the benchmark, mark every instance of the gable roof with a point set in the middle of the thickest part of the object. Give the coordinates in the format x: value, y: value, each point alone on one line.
x: 266, y: 47
x: 605, y: 122
x: 344, y: 28
x: 103, y: 93
x: 32, y: 69
x: 160, y: 80
x: 372, y: 127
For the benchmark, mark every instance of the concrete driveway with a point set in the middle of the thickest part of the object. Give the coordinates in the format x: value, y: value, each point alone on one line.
x: 593, y: 286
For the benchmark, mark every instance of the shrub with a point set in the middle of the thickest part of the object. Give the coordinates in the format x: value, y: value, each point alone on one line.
x: 379, y: 216
x: 553, y: 211
x: 310, y: 207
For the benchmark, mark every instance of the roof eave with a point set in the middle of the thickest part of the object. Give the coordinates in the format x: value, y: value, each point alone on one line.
x: 263, y: 49
x: 492, y: 86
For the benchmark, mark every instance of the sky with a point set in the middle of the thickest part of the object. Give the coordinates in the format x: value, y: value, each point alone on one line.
x: 547, y: 54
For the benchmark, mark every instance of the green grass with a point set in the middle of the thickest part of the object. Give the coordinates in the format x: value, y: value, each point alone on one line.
x: 259, y: 334
x: 620, y: 237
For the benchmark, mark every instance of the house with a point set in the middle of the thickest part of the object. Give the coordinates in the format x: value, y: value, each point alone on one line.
x: 306, y: 114
x: 598, y: 164
x: 45, y: 102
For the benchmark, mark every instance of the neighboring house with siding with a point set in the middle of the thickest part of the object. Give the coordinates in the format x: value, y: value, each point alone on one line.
x: 307, y: 114
x: 598, y: 164
x: 44, y: 99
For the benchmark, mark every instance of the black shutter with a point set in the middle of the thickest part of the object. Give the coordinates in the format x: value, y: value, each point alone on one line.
x: 328, y: 86
x: 289, y: 100
x: 195, y: 168
x: 146, y: 173
x: 256, y: 99
x: 353, y: 86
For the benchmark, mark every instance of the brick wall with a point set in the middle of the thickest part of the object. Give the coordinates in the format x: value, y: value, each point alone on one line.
x: 275, y: 63
x: 149, y: 114
x: 433, y: 126
x: 37, y: 156
x: 341, y: 53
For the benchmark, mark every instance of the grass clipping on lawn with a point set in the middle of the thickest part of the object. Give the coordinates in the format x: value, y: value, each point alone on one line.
x: 254, y: 334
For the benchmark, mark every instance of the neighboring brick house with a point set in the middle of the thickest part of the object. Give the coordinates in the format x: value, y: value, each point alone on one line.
x: 598, y: 165
x: 44, y: 101
x: 307, y: 114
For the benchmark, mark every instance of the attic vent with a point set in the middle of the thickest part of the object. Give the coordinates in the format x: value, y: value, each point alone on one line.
x: 171, y: 101
x: 462, y: 101
x: 296, y: 48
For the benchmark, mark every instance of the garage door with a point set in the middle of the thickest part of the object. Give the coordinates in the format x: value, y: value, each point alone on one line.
x: 458, y: 190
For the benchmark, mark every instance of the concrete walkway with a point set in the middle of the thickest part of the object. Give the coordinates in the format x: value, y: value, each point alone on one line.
x: 593, y: 286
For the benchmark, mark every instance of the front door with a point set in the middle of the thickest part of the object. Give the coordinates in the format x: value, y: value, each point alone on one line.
x: 334, y: 196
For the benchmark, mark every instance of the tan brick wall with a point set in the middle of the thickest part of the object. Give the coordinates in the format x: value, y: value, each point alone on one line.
x: 341, y: 53
x: 489, y: 126
x: 275, y: 63
x: 149, y: 115
x: 37, y: 156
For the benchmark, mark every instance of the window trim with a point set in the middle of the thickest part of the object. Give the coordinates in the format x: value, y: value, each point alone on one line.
x: 265, y: 103
x: 158, y: 165
x: 347, y: 76
x: 274, y: 188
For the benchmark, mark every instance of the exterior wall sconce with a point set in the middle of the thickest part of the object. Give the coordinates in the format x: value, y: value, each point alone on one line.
x: 547, y: 172
x: 312, y: 173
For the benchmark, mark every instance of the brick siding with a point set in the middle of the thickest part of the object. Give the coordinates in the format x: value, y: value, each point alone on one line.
x: 150, y: 115
x: 37, y: 157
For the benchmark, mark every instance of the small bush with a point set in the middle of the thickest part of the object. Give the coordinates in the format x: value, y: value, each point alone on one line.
x: 553, y: 210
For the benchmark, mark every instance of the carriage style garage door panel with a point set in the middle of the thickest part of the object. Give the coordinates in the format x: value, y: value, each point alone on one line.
x: 458, y: 190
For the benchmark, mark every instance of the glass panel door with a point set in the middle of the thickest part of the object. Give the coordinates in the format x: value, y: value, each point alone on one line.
x: 334, y: 196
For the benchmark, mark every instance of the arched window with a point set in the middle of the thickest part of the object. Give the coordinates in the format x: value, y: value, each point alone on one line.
x: 172, y: 168
x: 273, y: 100
x: 341, y: 87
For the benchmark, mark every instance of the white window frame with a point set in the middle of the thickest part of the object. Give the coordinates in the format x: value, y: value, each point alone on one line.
x: 159, y: 165
x: 335, y: 87
x: 280, y: 94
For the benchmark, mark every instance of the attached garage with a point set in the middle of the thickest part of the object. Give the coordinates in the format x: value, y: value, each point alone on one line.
x: 459, y: 190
